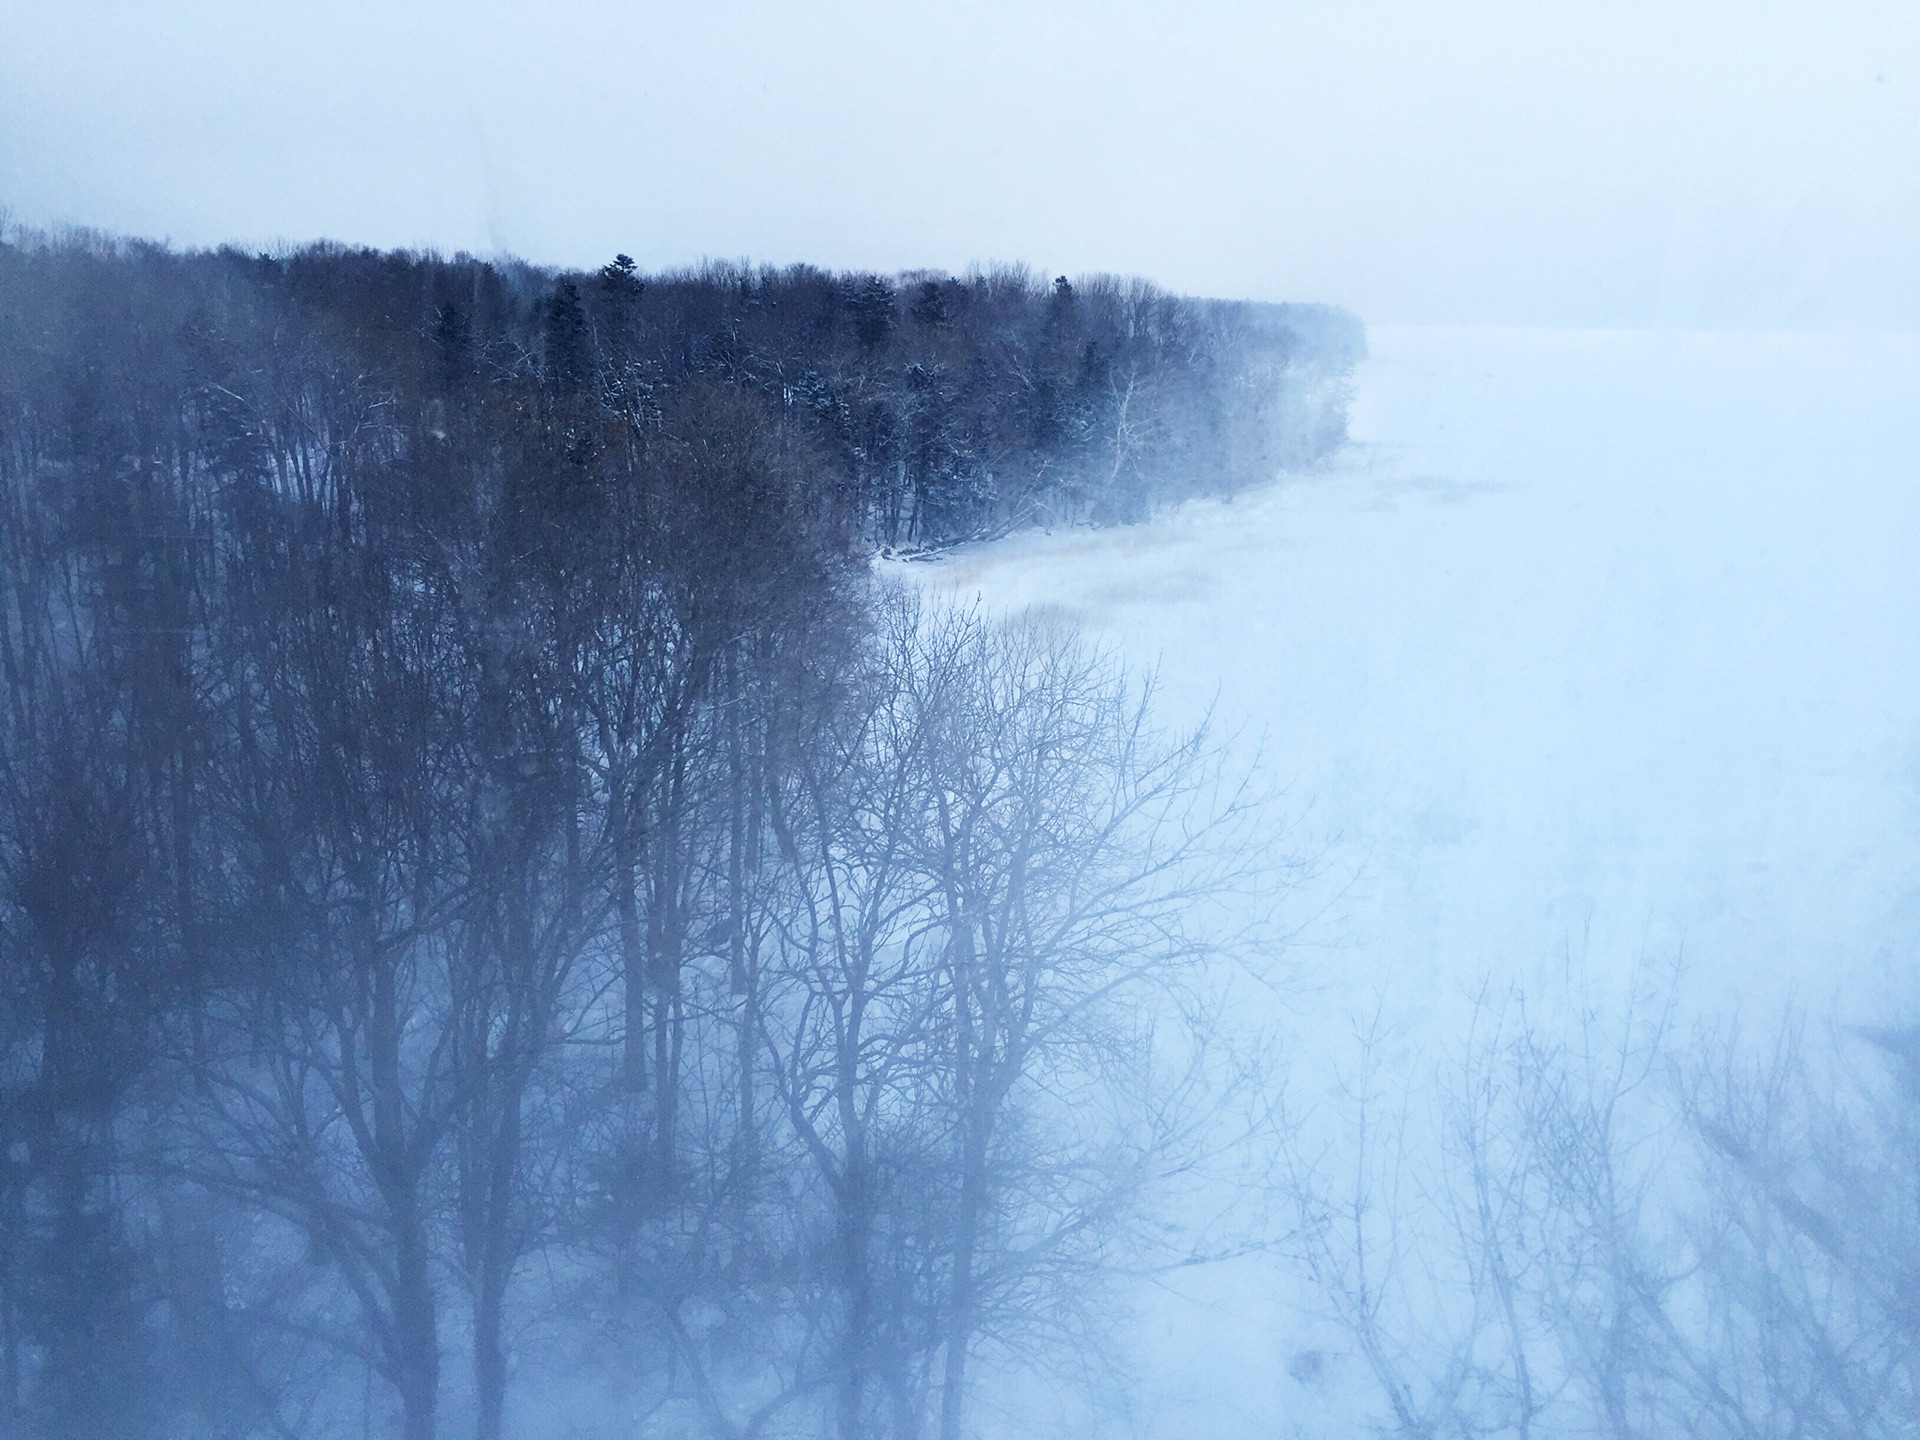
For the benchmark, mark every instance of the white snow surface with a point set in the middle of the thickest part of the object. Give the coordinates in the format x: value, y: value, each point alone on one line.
x: 1596, y: 649
x: 1601, y: 641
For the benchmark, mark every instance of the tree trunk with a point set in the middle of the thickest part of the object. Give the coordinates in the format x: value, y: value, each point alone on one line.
x: 496, y: 1260
x: 666, y: 944
x: 953, y: 1382
x: 626, y: 902
x: 977, y: 1122
x: 416, y: 1338
x: 851, y: 1391
x: 856, y: 1242
x: 489, y: 1357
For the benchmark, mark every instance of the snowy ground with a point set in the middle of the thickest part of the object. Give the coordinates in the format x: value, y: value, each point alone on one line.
x: 1598, y: 647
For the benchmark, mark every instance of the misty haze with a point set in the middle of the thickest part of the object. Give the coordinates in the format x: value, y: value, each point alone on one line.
x: 1056, y: 721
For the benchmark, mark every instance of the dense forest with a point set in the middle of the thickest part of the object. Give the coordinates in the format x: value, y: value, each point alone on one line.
x: 925, y: 409
x: 497, y: 901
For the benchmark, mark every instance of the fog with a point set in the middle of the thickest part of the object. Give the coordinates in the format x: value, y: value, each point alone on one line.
x: 652, y: 787
x: 1632, y: 164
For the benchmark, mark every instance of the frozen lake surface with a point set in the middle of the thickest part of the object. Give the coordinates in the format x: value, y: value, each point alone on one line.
x: 1598, y: 649
x: 1598, y: 644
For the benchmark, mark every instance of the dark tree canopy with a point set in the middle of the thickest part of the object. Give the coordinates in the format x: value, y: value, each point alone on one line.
x: 939, y: 408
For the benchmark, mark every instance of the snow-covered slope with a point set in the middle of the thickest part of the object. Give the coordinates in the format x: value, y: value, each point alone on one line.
x: 1598, y: 647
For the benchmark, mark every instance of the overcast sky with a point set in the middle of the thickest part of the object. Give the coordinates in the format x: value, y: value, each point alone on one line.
x: 1637, y: 162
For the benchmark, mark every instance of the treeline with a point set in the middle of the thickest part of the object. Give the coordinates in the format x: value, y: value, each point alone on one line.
x: 499, y: 911
x: 937, y: 408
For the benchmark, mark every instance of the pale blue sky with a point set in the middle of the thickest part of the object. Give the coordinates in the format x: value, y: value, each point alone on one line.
x: 1623, y: 163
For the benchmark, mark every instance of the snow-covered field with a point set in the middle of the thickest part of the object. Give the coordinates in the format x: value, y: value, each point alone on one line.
x: 1599, y: 647
x: 1598, y: 641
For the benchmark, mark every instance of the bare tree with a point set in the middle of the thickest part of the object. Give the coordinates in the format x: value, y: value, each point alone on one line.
x: 1070, y: 845
x: 1621, y: 1235
x: 336, y: 1087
